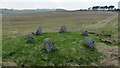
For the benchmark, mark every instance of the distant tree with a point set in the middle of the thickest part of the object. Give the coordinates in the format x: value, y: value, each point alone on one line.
x: 60, y: 10
x: 106, y: 7
x: 95, y: 7
x: 102, y: 8
x: 118, y: 9
x: 111, y: 7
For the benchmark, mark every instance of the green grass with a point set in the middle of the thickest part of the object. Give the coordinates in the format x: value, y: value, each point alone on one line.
x: 70, y: 50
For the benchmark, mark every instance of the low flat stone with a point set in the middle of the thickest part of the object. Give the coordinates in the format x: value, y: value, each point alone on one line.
x: 9, y: 64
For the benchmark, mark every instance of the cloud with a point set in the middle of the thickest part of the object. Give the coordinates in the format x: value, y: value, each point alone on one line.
x: 51, y: 4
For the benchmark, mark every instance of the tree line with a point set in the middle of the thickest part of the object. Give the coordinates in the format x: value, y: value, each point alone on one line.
x: 111, y: 7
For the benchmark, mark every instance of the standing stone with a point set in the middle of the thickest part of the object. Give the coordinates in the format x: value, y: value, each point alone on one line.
x: 89, y: 42
x: 48, y: 45
x: 63, y: 29
x: 39, y: 31
x: 85, y: 33
x: 30, y: 38
x: 32, y: 33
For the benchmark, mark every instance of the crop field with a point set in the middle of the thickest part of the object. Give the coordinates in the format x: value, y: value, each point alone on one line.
x: 70, y: 49
x: 51, y: 21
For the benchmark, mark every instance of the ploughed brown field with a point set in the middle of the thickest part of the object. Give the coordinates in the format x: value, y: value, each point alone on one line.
x: 18, y: 24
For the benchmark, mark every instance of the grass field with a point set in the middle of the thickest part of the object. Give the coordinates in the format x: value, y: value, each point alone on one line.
x: 70, y: 46
x: 69, y: 50
x: 0, y: 49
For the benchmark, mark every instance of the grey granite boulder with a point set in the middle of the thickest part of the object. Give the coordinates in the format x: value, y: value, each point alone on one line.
x: 39, y: 31
x: 48, y: 45
x: 89, y: 42
x: 30, y: 38
x: 63, y: 29
x: 85, y: 33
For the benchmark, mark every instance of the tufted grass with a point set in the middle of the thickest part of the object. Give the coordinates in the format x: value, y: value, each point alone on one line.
x: 70, y: 50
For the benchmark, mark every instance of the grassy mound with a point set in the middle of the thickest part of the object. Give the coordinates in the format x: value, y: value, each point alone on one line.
x: 70, y: 50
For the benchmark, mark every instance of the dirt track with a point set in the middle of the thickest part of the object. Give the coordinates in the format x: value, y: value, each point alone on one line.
x: 104, y: 22
x: 110, y: 54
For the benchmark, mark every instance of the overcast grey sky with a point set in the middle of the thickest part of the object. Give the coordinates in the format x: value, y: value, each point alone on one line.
x: 52, y: 4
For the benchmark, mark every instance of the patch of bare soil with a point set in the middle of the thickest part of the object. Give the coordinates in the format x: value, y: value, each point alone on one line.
x: 110, y: 54
x: 9, y: 64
